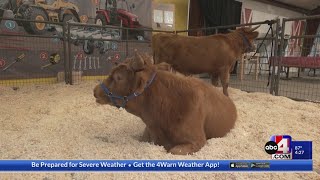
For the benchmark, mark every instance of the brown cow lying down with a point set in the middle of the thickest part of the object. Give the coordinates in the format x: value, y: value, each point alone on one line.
x: 214, y: 54
x: 180, y: 112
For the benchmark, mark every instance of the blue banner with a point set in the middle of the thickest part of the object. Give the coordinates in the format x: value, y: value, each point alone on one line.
x: 154, y: 165
x: 301, y: 149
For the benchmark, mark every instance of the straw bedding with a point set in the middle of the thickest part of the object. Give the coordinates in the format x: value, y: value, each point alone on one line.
x: 64, y: 122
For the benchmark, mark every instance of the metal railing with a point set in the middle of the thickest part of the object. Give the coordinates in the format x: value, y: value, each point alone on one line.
x: 302, y: 87
x: 267, y: 77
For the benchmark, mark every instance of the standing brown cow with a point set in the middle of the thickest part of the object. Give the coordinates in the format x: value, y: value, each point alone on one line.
x: 214, y: 54
x: 180, y: 112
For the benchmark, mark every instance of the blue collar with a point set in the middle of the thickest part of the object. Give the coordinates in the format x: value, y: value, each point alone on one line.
x: 125, y: 99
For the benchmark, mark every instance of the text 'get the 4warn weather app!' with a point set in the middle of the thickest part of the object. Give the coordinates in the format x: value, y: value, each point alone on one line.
x: 282, y: 147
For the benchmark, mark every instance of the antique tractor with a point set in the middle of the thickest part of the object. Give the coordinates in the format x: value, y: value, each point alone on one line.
x: 116, y: 13
x: 41, y: 10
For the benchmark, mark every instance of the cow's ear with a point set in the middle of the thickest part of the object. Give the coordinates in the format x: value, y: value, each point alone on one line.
x: 148, y: 59
x: 253, y: 35
x: 137, y: 64
x: 141, y: 84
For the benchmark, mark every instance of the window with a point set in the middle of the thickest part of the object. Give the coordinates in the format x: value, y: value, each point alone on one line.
x: 168, y: 17
x: 163, y: 16
x: 158, y: 16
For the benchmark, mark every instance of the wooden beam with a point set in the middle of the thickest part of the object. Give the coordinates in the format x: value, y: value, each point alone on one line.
x: 285, y: 6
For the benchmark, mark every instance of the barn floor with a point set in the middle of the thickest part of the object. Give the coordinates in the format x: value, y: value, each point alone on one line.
x: 303, y: 88
x: 307, y: 88
x: 64, y: 122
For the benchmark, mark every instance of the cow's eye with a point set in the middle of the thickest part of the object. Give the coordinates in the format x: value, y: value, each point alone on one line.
x: 118, y: 78
x: 112, y: 79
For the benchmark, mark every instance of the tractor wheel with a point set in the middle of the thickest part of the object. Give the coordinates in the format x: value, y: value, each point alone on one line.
x: 101, y: 20
x: 102, y: 50
x: 68, y: 17
x: 35, y: 14
x: 88, y: 47
x: 140, y: 35
x: 1, y: 13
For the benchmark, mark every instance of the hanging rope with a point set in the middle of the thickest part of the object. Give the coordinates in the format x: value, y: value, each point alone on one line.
x: 270, y: 28
x: 271, y: 54
x: 270, y: 23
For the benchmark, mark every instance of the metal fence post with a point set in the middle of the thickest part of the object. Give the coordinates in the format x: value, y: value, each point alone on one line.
x: 127, y: 45
x: 283, y: 27
x: 276, y: 55
x: 65, y: 53
x: 69, y: 54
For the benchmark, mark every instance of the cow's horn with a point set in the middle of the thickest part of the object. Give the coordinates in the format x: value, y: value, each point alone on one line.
x: 252, y: 29
x: 138, y: 62
x: 137, y: 54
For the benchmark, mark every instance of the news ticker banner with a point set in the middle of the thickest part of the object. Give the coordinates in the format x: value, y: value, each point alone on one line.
x: 154, y: 165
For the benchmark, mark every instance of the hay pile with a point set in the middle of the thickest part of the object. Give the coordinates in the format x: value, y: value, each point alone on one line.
x: 64, y: 122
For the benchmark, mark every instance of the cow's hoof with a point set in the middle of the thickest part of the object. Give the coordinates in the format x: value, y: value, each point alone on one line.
x: 225, y: 92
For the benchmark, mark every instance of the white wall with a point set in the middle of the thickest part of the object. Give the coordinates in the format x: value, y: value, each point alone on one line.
x: 262, y: 12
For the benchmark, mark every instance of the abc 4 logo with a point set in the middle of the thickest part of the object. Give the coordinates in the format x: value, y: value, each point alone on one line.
x: 283, y: 146
x: 271, y: 147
